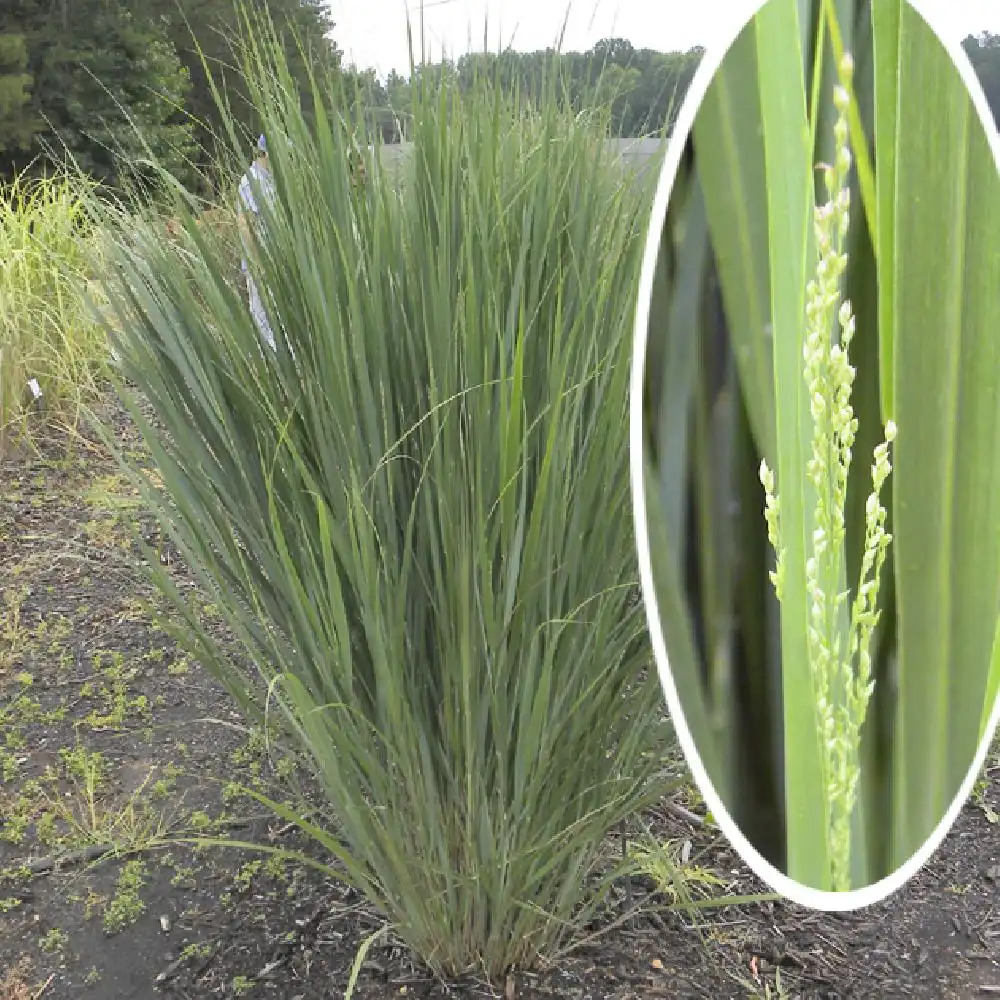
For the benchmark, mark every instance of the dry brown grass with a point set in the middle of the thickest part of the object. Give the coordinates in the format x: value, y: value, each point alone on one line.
x: 13, y: 984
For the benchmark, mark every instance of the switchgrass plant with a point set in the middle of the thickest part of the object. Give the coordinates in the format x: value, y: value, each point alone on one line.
x: 413, y: 513
x: 48, y: 333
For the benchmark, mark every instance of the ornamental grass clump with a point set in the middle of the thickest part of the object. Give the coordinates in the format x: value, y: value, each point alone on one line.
x: 839, y: 633
x: 413, y: 514
x: 50, y: 343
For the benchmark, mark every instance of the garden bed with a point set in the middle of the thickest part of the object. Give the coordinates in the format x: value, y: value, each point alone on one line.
x: 127, y: 745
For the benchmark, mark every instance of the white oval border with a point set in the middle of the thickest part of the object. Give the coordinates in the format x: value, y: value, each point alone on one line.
x: 934, y: 12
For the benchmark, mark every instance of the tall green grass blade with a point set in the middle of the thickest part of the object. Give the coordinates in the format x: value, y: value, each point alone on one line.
x: 712, y: 555
x: 862, y: 289
x: 992, y: 687
x: 678, y: 637
x: 675, y: 400
x: 841, y: 18
x: 730, y: 163
x: 359, y: 959
x: 788, y: 158
x: 944, y: 297
x: 886, y: 41
x: 675, y: 315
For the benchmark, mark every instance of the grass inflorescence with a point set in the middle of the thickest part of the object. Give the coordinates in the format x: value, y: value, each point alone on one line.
x: 839, y: 633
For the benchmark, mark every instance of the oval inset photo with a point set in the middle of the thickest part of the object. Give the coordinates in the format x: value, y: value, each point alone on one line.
x: 816, y: 440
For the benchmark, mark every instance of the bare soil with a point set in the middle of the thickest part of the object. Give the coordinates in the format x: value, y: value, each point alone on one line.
x: 113, y: 745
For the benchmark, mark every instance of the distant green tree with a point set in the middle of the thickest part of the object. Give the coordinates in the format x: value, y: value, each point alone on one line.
x: 81, y: 77
x: 100, y: 85
x: 662, y: 88
x: 399, y: 102
x: 206, y: 36
x: 371, y: 96
x: 645, y: 87
x: 642, y: 87
x: 18, y: 124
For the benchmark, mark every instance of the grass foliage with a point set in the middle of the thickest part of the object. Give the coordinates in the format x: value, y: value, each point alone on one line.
x: 414, y: 515
x: 47, y: 329
x: 724, y: 390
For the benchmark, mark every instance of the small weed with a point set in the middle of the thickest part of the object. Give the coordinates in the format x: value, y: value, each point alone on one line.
x: 233, y: 792
x: 197, y: 950
x: 83, y: 813
x: 84, y: 765
x: 93, y: 902
x: 126, y: 907
x: 53, y: 941
x: 11, y: 629
x: 161, y: 789
x: 15, y: 826
x: 669, y: 867
x: 764, y: 990
x: 180, y: 666
x: 9, y: 766
x: 114, y: 692
x: 284, y: 767
x: 183, y: 877
x: 242, y: 985
x: 979, y: 797
x: 200, y: 820
x: 277, y: 867
x: 246, y: 874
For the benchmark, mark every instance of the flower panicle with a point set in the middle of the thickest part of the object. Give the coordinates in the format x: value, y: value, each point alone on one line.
x: 839, y: 657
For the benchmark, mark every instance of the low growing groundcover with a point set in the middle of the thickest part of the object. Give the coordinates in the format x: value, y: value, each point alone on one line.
x: 114, y: 744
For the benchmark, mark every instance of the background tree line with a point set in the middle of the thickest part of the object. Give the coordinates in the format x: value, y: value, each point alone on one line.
x: 642, y: 86
x: 77, y: 76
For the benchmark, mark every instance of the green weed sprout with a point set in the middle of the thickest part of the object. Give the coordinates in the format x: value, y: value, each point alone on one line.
x: 838, y: 646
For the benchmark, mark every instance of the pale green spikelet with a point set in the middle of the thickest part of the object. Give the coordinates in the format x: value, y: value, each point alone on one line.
x: 771, y: 516
x: 838, y: 644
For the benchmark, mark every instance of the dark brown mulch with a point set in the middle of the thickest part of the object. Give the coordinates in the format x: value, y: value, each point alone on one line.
x: 84, y: 631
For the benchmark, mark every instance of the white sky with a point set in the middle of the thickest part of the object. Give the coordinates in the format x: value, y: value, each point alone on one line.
x: 372, y: 33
